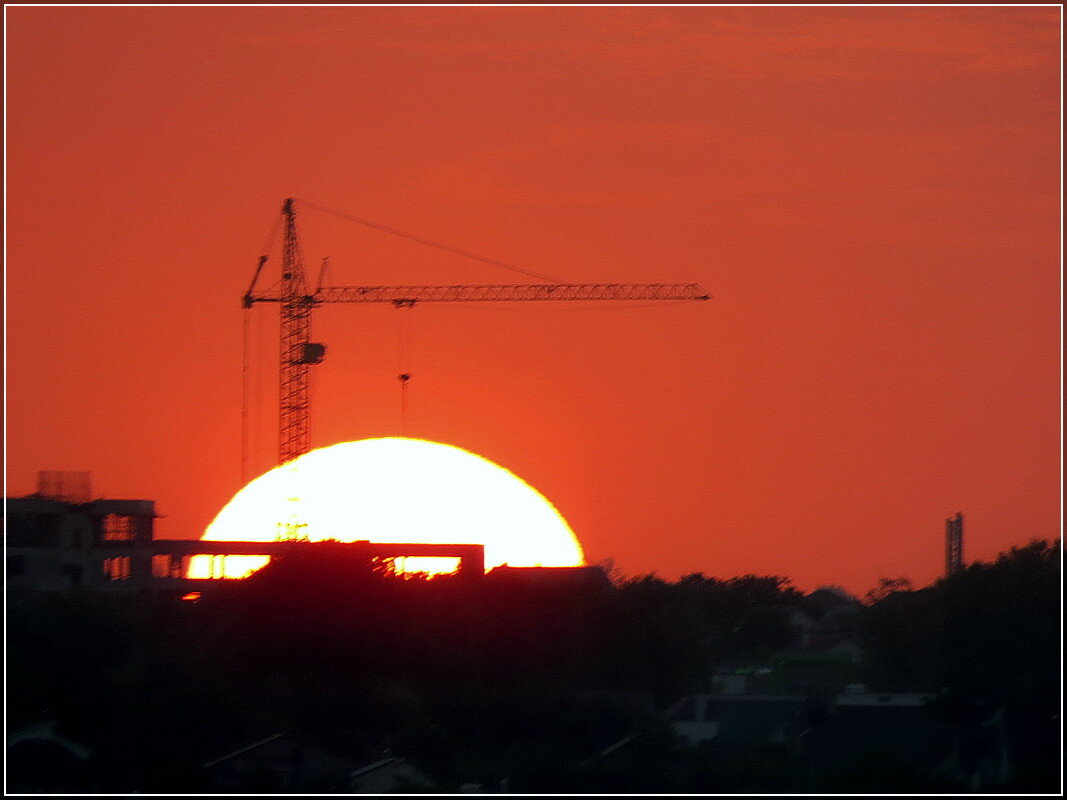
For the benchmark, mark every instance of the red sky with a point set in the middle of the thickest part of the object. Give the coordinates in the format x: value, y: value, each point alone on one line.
x: 870, y: 194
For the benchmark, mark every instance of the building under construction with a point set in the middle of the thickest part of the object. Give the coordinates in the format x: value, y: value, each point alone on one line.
x: 59, y: 541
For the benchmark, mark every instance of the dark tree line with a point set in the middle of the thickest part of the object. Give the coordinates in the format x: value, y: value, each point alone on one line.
x: 984, y: 639
x: 475, y: 682
x: 505, y: 678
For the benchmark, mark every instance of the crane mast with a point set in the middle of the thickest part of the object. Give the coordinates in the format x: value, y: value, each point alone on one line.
x: 295, y: 414
x: 296, y: 301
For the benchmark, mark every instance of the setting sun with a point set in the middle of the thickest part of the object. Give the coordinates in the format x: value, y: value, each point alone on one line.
x: 394, y: 490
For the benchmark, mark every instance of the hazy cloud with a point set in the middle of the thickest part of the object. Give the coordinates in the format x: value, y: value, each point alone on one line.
x: 791, y: 44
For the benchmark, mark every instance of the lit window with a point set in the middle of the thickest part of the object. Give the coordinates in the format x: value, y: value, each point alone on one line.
x: 165, y: 566
x: 117, y: 569
x: 118, y: 528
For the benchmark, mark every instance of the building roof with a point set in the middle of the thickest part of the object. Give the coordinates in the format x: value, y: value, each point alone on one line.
x: 871, y: 699
x: 356, y: 773
x: 46, y: 732
x: 243, y: 750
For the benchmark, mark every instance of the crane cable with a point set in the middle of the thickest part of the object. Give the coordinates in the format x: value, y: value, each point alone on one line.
x: 403, y: 348
x: 264, y: 257
x: 432, y: 243
x: 246, y: 336
x: 251, y: 385
x: 245, y: 325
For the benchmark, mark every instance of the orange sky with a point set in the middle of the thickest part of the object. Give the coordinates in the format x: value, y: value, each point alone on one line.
x: 871, y: 195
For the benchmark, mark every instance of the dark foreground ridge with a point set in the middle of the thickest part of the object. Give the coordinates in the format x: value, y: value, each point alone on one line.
x: 313, y: 676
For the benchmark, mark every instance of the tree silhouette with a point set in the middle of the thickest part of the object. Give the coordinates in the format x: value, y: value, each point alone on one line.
x: 504, y: 678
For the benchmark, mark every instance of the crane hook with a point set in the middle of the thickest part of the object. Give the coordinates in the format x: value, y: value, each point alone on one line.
x: 404, y: 377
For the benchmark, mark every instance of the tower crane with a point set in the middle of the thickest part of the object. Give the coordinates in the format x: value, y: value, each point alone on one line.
x: 296, y: 301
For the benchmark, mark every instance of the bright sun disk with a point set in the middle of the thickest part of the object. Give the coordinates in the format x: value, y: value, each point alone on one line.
x: 395, y: 490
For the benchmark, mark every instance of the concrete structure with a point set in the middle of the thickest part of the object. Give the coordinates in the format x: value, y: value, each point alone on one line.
x: 53, y: 545
x: 108, y: 545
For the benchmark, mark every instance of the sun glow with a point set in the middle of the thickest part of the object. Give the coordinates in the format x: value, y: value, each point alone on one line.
x: 394, y: 490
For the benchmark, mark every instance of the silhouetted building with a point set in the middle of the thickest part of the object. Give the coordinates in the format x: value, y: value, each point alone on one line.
x: 979, y: 757
x: 389, y: 776
x: 730, y: 718
x: 555, y: 577
x: 290, y: 763
x: 863, y: 730
x: 954, y: 544
x: 55, y: 545
x: 40, y: 761
x: 848, y: 739
x: 280, y: 763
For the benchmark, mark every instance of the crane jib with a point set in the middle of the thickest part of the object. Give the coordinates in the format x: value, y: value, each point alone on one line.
x: 296, y: 302
x: 406, y: 295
